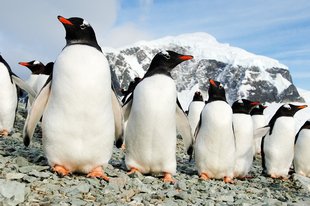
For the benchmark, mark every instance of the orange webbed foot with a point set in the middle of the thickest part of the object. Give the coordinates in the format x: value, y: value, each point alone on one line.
x: 228, y: 180
x: 168, y: 178
x: 98, y: 173
x: 204, y: 176
x: 60, y: 170
x: 132, y: 170
x: 4, y: 133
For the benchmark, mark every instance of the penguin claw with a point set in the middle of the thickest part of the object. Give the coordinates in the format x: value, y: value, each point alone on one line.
x: 4, y: 133
x: 168, y: 178
x: 98, y: 173
x: 60, y: 170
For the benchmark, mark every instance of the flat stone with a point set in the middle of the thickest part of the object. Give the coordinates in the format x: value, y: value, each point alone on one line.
x: 14, y: 176
x: 12, y: 192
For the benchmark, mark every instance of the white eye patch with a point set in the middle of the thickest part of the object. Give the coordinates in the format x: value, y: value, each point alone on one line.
x: 287, y: 106
x: 165, y: 54
x: 36, y: 62
x: 240, y: 101
x: 84, y: 24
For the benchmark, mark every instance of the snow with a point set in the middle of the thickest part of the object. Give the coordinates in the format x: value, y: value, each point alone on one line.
x: 205, y: 46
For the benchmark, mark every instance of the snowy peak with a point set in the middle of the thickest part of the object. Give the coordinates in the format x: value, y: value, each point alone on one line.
x: 244, y: 74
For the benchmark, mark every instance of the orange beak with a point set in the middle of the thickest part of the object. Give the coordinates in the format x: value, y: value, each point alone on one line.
x: 186, y: 57
x: 212, y: 82
x: 302, y: 106
x: 64, y: 20
x: 26, y: 64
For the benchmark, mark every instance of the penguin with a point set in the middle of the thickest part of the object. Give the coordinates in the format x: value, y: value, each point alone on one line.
x: 278, y: 144
x: 244, y: 136
x: 36, y: 68
x: 132, y: 85
x: 301, y: 150
x: 9, y: 97
x: 214, y: 146
x: 150, y: 134
x: 194, y: 110
x: 259, y: 120
x: 77, y: 103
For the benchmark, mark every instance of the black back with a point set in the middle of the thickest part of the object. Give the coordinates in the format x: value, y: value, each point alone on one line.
x: 8, y: 67
x: 258, y: 110
x: 48, y: 69
x: 216, y: 91
x: 306, y: 125
x: 243, y: 106
x: 78, y: 31
x: 286, y: 110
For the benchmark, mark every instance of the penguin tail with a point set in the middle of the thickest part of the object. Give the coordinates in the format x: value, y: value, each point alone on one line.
x: 119, y: 142
x: 26, y: 140
x: 190, y: 151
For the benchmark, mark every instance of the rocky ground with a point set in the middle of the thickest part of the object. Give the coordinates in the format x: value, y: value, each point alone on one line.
x: 26, y: 179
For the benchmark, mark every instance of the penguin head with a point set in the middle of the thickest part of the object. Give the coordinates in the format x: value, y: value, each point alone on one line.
x: 289, y: 110
x: 197, y: 96
x: 243, y: 106
x: 36, y: 67
x: 258, y: 110
x: 78, y: 31
x: 168, y: 60
x: 216, y: 91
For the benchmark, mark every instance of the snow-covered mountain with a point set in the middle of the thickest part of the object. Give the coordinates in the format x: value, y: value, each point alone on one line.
x: 244, y: 75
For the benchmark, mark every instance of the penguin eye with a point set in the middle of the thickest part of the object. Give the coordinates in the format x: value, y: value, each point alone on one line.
x: 84, y: 25
x: 221, y: 86
x: 165, y: 54
x: 287, y: 107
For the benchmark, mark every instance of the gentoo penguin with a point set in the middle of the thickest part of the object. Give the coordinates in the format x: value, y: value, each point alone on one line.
x: 36, y: 68
x: 214, y: 139
x: 9, y: 98
x: 78, y: 122
x: 150, y: 134
x: 244, y: 136
x: 302, y: 151
x: 278, y: 144
x: 259, y: 120
x: 194, y: 110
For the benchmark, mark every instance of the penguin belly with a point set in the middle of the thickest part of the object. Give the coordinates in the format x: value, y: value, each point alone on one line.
x: 215, y: 144
x: 279, y: 147
x: 151, y: 128
x: 78, y: 123
x: 302, y: 153
x: 258, y: 122
x: 243, y: 130
x: 8, y: 100
x: 194, y: 112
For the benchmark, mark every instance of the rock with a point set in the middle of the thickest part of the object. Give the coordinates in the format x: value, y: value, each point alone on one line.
x: 14, y: 176
x: 305, y: 181
x: 12, y: 192
x: 27, y: 169
x: 181, y: 185
x: 40, y: 174
x: 21, y: 161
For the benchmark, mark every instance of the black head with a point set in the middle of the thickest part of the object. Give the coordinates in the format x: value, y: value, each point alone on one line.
x: 216, y: 91
x: 197, y: 96
x: 288, y: 110
x: 79, y: 31
x: 36, y: 67
x: 243, y: 106
x: 48, y: 69
x: 258, y: 110
x: 164, y: 62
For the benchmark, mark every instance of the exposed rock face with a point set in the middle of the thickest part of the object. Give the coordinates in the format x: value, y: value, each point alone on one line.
x: 243, y: 74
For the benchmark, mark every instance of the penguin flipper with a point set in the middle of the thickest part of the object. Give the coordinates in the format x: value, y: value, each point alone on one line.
x: 127, y: 109
x: 183, y: 128
x: 118, y: 120
x: 35, y: 113
x: 260, y: 132
x: 24, y: 86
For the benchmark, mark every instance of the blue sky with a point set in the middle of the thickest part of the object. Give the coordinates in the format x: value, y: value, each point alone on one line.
x: 277, y: 29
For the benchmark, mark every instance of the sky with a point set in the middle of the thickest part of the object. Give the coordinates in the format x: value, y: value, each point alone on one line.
x: 277, y: 29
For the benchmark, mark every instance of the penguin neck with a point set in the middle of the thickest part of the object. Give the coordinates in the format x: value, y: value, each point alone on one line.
x: 158, y: 70
x: 88, y: 43
x: 216, y: 98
